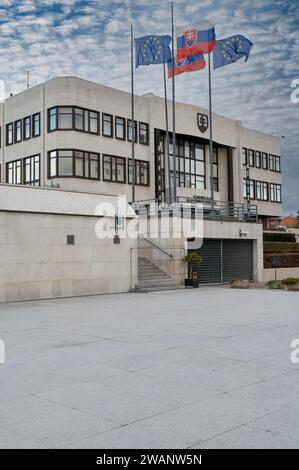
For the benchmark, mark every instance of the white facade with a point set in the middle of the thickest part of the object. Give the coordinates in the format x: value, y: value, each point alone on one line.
x: 65, y: 92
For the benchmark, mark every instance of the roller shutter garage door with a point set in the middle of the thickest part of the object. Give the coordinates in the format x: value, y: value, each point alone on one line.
x: 224, y: 260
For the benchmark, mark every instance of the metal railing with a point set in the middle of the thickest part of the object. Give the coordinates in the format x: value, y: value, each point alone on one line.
x: 211, y: 210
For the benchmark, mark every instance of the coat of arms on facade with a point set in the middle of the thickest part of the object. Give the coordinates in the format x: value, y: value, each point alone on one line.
x: 203, y: 122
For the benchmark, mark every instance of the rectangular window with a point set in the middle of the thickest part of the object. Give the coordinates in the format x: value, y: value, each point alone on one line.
x: 107, y: 125
x: 73, y: 118
x: 143, y: 133
x: 271, y: 163
x: 275, y: 192
x: 32, y: 170
x: 190, y: 164
x: 65, y: 163
x: 27, y: 128
x: 244, y: 154
x: 36, y: 125
x: 129, y: 130
x: 14, y: 172
x: 215, y: 169
x: 142, y: 176
x: 276, y: 164
x: 251, y: 157
x: 93, y: 118
x: 75, y: 163
x: 248, y: 188
x: 79, y: 119
x: 65, y: 118
x: 258, y: 159
x: 114, y: 169
x: 120, y: 128
x: 18, y: 130
x: 52, y: 119
x: 265, y: 161
x: 261, y: 191
x: 9, y: 133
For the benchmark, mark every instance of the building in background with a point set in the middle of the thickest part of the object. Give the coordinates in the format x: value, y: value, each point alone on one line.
x: 75, y: 136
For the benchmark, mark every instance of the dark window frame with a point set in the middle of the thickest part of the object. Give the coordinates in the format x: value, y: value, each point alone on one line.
x: 111, y: 135
x: 139, y: 163
x: 133, y: 127
x: 34, y: 133
x: 19, y: 160
x: 8, y: 125
x: 244, y: 156
x: 265, y: 161
x: 32, y: 182
x: 25, y: 128
x: 124, y: 128
x: 86, y: 157
x: 258, y: 158
x: 262, y: 185
x: 114, y: 157
x: 275, y: 187
x: 251, y: 162
x: 18, y: 126
x: 147, y: 133
x: 86, y: 129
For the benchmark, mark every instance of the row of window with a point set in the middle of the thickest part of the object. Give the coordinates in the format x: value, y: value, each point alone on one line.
x: 262, y: 160
x: 190, y: 165
x: 23, y: 129
x: 85, y: 120
x: 261, y: 190
x: 24, y: 171
x: 79, y: 164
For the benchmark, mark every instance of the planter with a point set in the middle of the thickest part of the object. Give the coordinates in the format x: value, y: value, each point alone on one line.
x: 188, y: 282
x: 192, y: 283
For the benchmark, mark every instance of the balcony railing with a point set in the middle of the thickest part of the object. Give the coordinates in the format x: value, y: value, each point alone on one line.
x: 210, y: 210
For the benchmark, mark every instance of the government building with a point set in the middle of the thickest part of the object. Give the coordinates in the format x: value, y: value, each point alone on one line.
x: 70, y: 136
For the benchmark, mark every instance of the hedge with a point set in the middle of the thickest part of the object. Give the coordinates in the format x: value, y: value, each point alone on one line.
x: 285, y: 260
x: 279, y: 247
x: 279, y: 237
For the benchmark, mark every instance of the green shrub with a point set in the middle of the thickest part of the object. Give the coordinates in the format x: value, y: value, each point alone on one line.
x: 193, y: 258
x: 275, y: 285
x: 279, y: 237
x: 281, y: 260
x: 290, y: 281
x: 279, y: 247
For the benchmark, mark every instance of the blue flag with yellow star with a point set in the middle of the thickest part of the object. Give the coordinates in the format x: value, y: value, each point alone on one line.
x: 152, y: 50
x: 228, y: 51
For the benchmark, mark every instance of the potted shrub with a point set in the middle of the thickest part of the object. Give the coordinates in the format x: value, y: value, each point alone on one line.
x: 194, y: 260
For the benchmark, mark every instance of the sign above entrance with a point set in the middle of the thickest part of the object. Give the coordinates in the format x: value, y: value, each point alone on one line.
x: 203, y: 122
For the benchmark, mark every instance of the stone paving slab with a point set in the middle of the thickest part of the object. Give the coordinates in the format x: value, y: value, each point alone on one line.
x: 202, y: 368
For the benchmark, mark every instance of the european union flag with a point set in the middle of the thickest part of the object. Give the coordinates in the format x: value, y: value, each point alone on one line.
x: 152, y: 50
x: 230, y: 50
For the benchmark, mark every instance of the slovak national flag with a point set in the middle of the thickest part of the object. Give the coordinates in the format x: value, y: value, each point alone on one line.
x: 190, y: 64
x: 199, y: 38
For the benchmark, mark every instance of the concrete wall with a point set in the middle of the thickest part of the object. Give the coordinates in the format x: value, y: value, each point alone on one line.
x: 36, y: 261
x: 279, y: 274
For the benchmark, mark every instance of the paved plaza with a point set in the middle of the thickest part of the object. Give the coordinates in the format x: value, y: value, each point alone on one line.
x: 202, y: 368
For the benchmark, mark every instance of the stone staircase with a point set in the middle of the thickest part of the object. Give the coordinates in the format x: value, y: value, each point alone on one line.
x: 151, y: 277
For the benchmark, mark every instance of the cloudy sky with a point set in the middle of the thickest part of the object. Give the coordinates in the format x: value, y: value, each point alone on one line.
x: 91, y: 39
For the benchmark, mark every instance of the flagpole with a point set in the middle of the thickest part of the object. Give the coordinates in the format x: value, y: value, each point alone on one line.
x: 211, y: 134
x: 167, y: 130
x: 133, y: 114
x: 173, y: 105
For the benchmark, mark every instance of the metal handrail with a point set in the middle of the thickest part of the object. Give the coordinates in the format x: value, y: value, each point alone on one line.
x: 157, y: 246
